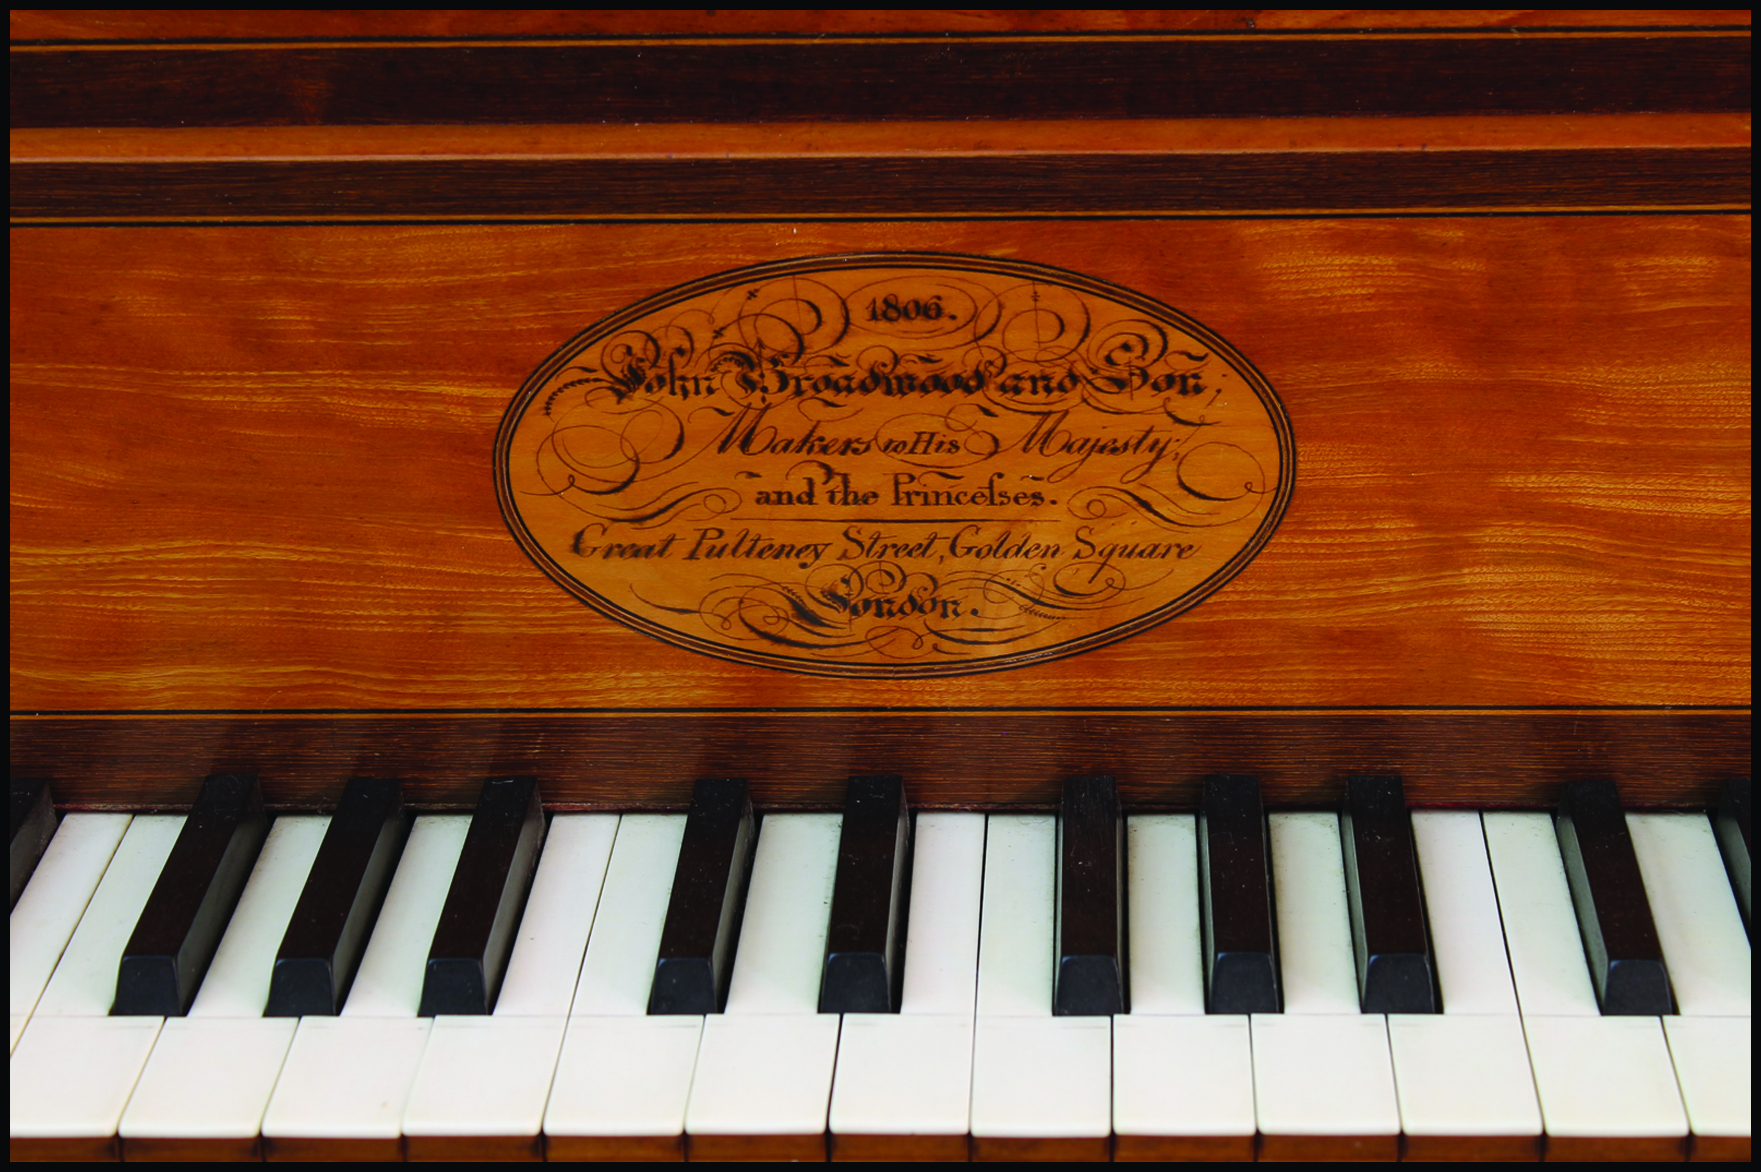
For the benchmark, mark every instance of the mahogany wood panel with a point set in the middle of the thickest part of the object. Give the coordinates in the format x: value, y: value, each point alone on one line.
x: 179, y: 1150
x: 900, y: 1148
x: 474, y: 1148
x: 605, y: 1148
x: 48, y: 1148
x: 1084, y: 1149
x: 1503, y: 1148
x: 251, y: 467
x: 1183, y: 1148
x: 1633, y: 1149
x: 780, y: 188
x: 1663, y: 759
x: 114, y: 24
x: 318, y: 1149
x: 804, y: 1149
x: 866, y: 140
x: 1329, y: 1148
x: 862, y: 79
x: 1724, y: 1148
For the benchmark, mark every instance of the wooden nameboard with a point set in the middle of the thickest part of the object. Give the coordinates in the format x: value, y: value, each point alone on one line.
x: 621, y: 400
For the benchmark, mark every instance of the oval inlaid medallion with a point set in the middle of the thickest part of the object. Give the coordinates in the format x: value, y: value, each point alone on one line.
x: 895, y: 464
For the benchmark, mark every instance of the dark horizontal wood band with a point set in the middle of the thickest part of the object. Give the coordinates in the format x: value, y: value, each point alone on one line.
x: 329, y: 1150
x: 76, y: 1149
x: 1329, y: 1148
x: 919, y: 78
x: 1661, y: 757
x: 474, y: 1148
x: 167, y: 1150
x: 1029, y: 184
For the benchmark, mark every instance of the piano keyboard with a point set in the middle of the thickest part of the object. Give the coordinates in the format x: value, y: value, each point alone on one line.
x: 487, y: 987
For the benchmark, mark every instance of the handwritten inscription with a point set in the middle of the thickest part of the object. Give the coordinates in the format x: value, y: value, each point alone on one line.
x: 896, y: 464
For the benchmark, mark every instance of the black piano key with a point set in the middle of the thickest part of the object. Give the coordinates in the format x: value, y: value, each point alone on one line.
x: 33, y: 824
x: 1090, y: 978
x: 1235, y: 898
x: 337, y: 907
x: 180, y: 926
x: 709, y: 893
x: 1620, y: 938
x: 865, y: 938
x: 1731, y: 825
x: 1395, y: 972
x: 489, y: 887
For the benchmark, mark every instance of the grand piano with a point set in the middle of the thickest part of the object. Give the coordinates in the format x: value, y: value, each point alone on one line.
x: 981, y: 585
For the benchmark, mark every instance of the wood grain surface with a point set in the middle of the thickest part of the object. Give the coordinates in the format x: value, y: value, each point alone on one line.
x: 114, y: 24
x: 474, y: 1148
x: 1719, y: 1148
x: 836, y: 188
x: 251, y: 467
x: 608, y: 1148
x: 1072, y: 1149
x: 1184, y: 1148
x: 814, y: 79
x: 1451, y: 1148
x: 83, y: 1149
x: 881, y: 140
x: 803, y: 1149
x: 1599, y: 1149
x: 179, y: 1150
x: 320, y: 1149
x: 1329, y: 1148
x: 964, y: 759
x: 1594, y: 162
x: 899, y: 1148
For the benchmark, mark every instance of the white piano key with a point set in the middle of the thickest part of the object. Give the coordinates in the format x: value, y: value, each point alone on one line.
x: 1467, y: 935
x: 84, y: 982
x: 1704, y: 944
x: 910, y: 1073
x: 781, y: 950
x: 1465, y: 1074
x: 72, y: 1076
x: 492, y: 1075
x: 389, y: 980
x: 765, y: 1065
x: 1603, y: 1076
x: 625, y: 941
x: 237, y: 984
x: 1015, y: 932
x: 211, y: 1074
x: 620, y: 1073
x: 209, y: 1077
x: 347, y: 1078
x: 625, y: 1074
x: 1167, y: 975
x: 1183, y: 1074
x: 903, y: 1074
x: 52, y: 902
x: 1314, y: 923
x: 763, y: 1074
x: 1034, y: 1077
x: 1323, y: 1074
x: 350, y: 1076
x: 941, y: 933
x: 1711, y: 1059
x: 1540, y: 926
x: 484, y: 1076
x: 552, y: 938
